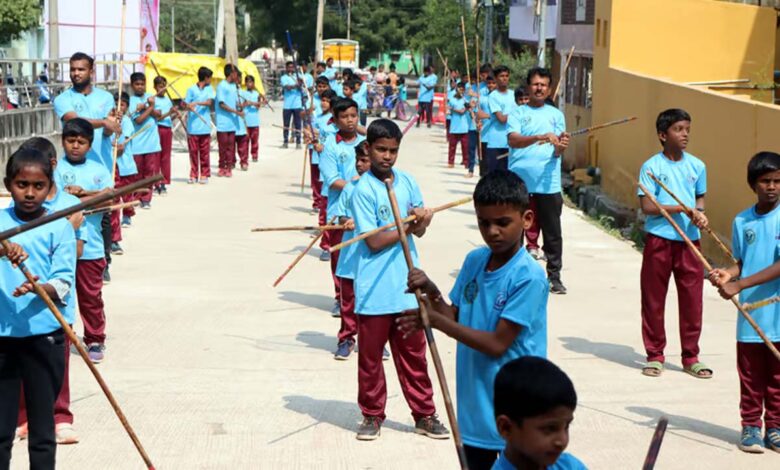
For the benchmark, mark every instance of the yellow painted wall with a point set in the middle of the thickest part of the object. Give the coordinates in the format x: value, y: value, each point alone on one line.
x: 726, y: 130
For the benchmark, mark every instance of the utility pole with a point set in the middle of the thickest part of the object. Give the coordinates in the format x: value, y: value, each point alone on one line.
x: 54, y: 40
x: 542, y: 46
x: 318, y: 38
x: 219, y: 37
x: 487, y: 50
x: 231, y: 36
x: 173, y: 27
x: 349, y: 16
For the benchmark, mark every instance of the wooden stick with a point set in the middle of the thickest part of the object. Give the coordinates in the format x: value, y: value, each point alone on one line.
x: 300, y: 256
x: 563, y: 75
x: 689, y: 213
x: 109, y: 195
x: 120, y: 79
x: 479, y: 129
x: 298, y: 228
x: 437, y: 364
x: 744, y: 87
x: 363, y: 236
x: 468, y: 77
x: 305, y: 161
x: 137, y: 133
x: 83, y: 353
x: 112, y: 207
x: 168, y: 94
x: 708, y: 267
x: 761, y: 303
x: 655, y: 444
x: 287, y: 128
x: 411, y: 123
x: 719, y: 82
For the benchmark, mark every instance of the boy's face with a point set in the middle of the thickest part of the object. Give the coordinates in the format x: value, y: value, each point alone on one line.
x: 290, y: 68
x: 76, y: 147
x: 347, y: 91
x: 29, y: 188
x: 483, y: 76
x: 322, y: 88
x: 325, y: 105
x: 122, y: 107
x: 159, y: 87
x: 362, y: 164
x: 676, y: 137
x: 502, y: 226
x: 539, y: 89
x: 502, y: 80
x: 383, y: 154
x: 138, y: 86
x: 767, y: 188
x: 347, y: 120
x: 491, y: 85
x: 250, y: 84
x: 207, y: 81
x: 540, y: 439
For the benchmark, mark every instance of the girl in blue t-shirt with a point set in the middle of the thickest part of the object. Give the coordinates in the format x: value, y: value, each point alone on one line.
x: 32, y: 343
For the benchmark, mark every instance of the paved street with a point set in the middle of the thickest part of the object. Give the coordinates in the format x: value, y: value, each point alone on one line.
x: 218, y: 370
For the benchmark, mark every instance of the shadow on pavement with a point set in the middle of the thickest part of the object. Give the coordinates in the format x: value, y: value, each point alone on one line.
x: 618, y: 353
x: 685, y: 423
x: 317, y: 340
x: 318, y: 301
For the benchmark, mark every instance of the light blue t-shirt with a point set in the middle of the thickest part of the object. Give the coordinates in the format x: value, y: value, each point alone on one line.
x: 292, y: 97
x: 96, y: 105
x: 472, y: 115
x: 228, y: 94
x: 163, y: 105
x: 324, y: 125
x: 687, y: 179
x: 537, y: 165
x: 125, y: 163
x: 516, y: 292
x: 252, y: 113
x: 484, y: 106
x: 90, y: 176
x: 427, y: 84
x: 315, y: 98
x: 347, y: 265
x: 308, y: 80
x: 380, y: 278
x: 337, y: 162
x: 565, y: 462
x: 459, y: 123
x: 195, y: 94
x: 450, y: 95
x: 149, y: 140
x: 330, y: 74
x: 756, y: 242
x: 361, y: 97
x: 505, y: 104
x: 52, y: 255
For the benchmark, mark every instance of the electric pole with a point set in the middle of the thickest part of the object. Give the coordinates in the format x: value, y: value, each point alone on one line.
x: 54, y: 41
x: 542, y: 46
x: 487, y: 50
x: 349, y: 17
x: 318, y: 38
x: 231, y: 36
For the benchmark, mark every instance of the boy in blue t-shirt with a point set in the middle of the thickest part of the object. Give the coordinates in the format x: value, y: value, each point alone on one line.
x: 425, y: 98
x: 534, y: 407
x: 252, y: 101
x: 347, y: 264
x: 199, y: 101
x: 126, y: 173
x: 242, y: 132
x: 755, y: 277
x: 84, y: 178
x: 483, y: 117
x: 665, y: 252
x: 458, y: 131
x: 323, y: 127
x: 293, y: 104
x: 380, y: 289
x: 501, y: 103
x: 165, y: 112
x: 536, y: 133
x: 147, y: 145
x: 228, y: 113
x: 498, y: 311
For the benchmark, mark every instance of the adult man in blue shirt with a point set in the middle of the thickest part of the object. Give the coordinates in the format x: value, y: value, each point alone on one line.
x: 425, y: 98
x: 293, y: 104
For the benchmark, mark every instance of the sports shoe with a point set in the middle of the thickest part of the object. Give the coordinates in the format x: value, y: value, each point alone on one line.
x: 751, y: 440
x: 163, y: 190
x: 191, y: 181
x: 385, y: 354
x: 298, y: 146
x: 116, y: 249
x: 557, y: 287
x: 537, y: 254
x: 95, y: 351
x: 369, y: 429
x: 146, y: 205
x: 244, y: 167
x: 156, y: 189
x: 106, y: 276
x: 345, y: 348
x: 772, y: 439
x: 66, y: 435
x: 254, y: 159
x: 229, y: 173
x: 284, y: 145
x: 325, y: 255
x: 127, y: 222
x: 204, y: 180
x: 21, y: 432
x: 430, y: 426
x: 335, y: 312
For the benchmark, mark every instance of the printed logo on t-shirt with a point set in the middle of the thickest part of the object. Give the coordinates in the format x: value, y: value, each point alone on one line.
x: 500, y: 301
x: 69, y: 178
x: 97, y: 180
x: 663, y: 178
x: 384, y: 212
x: 471, y: 291
x: 343, y: 156
x: 750, y: 236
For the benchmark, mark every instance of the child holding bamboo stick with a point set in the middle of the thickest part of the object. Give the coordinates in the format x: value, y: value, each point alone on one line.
x: 242, y: 131
x: 665, y: 252
x: 380, y: 289
x: 755, y: 277
x: 32, y: 343
x: 252, y: 101
x: 146, y: 146
x: 324, y: 128
x: 126, y: 173
x: 458, y: 130
x: 498, y: 311
x: 164, y: 111
x: 199, y: 101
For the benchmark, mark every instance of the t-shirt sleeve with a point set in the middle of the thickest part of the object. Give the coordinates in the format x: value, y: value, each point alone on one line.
x: 524, y: 301
x: 63, y: 258
x: 416, y: 196
x: 513, y: 122
x: 559, y: 123
x: 328, y: 165
x: 364, y: 210
x: 736, y: 240
x: 645, y: 179
x: 63, y: 105
x: 494, y: 104
x: 701, y: 181
x: 221, y: 93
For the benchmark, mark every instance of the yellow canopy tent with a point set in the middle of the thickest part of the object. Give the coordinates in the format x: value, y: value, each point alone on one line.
x: 171, y: 65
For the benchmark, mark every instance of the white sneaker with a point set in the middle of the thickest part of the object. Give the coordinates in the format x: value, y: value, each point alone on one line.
x: 66, y: 435
x: 21, y: 433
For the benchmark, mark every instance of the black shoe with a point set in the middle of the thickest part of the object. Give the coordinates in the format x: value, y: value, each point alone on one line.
x: 557, y: 287
x: 106, y: 276
x: 369, y: 429
x: 298, y: 146
x: 430, y: 426
x: 284, y: 145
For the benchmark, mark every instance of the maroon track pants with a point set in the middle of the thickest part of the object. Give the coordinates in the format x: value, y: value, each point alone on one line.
x: 332, y: 238
x: 532, y: 234
x: 453, y: 140
x: 759, y: 385
x: 410, y: 364
x: 116, y: 227
x: 200, y: 148
x: 254, y: 140
x: 348, y: 328
x: 242, y: 148
x: 89, y: 289
x: 662, y: 258
x: 316, y: 185
x: 166, y: 144
x: 148, y: 164
x: 227, y: 149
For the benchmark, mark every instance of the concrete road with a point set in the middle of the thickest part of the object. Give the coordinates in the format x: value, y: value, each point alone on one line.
x: 218, y: 370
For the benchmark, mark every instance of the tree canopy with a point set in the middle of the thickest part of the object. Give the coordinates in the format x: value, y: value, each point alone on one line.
x: 17, y: 16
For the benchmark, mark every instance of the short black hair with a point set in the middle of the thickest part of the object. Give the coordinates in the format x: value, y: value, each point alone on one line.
x: 229, y: 68
x: 204, y: 73
x: 501, y: 69
x: 137, y: 76
x: 462, y: 84
x: 160, y: 80
x: 541, y: 72
x: 668, y: 117
x: 501, y: 187
x: 428, y: 68
x: 249, y: 78
x: 343, y: 105
x: 82, y: 56
x: 78, y: 127
x: 322, y: 79
x: 330, y: 95
x: 42, y: 145
x: 125, y: 97
x: 490, y: 78
x: 289, y: 62
x: 531, y: 386
x: 761, y: 164
x: 28, y: 156
x: 485, y: 68
x: 353, y: 82
x: 361, y: 149
x: 320, y: 64
x: 520, y: 93
x: 383, y: 129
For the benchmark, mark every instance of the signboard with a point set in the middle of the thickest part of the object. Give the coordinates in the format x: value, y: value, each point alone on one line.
x: 345, y: 52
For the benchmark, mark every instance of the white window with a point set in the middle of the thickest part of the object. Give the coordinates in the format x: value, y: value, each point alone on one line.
x: 580, y: 12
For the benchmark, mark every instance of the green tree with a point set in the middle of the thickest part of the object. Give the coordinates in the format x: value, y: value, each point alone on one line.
x: 442, y: 33
x: 194, y: 26
x: 17, y: 16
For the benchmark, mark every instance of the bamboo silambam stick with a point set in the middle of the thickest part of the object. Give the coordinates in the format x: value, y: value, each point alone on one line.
x: 437, y: 364
x: 655, y: 443
x: 468, y: 77
x: 761, y: 303
x: 298, y: 228
x: 563, y: 75
x: 32, y: 279
x: 363, y: 236
x: 112, y: 208
x: 300, y: 256
x: 689, y: 213
x: 708, y: 267
x: 121, y: 79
